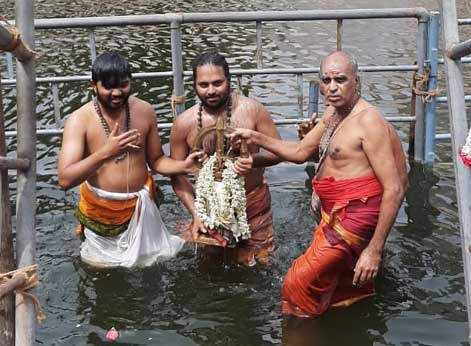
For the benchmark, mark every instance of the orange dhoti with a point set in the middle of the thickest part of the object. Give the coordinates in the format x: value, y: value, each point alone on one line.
x: 259, y: 247
x: 322, y: 277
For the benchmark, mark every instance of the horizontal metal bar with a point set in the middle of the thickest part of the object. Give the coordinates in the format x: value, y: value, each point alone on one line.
x: 444, y: 99
x: 293, y: 121
x: 81, y: 22
x: 11, y: 163
x: 235, y: 72
x: 464, y: 21
x: 464, y: 60
x: 459, y: 50
x: 442, y: 136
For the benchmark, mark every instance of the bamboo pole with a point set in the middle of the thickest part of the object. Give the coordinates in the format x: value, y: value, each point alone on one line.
x: 459, y: 130
x: 7, y: 260
x: 25, y: 332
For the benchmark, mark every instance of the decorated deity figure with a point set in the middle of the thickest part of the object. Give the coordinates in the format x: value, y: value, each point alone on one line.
x: 211, y: 78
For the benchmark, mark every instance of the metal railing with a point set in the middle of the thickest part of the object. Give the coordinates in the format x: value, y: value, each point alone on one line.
x: 459, y: 130
x: 176, y: 20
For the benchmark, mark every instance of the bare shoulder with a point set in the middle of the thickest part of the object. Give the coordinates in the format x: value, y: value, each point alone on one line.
x: 186, y: 120
x: 251, y: 106
x: 372, y: 119
x: 143, y: 108
x: 81, y: 117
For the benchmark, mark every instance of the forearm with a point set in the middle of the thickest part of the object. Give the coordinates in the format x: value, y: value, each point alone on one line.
x: 167, y: 166
x: 391, y: 202
x: 185, y: 192
x: 265, y: 159
x: 77, y: 173
x: 282, y: 150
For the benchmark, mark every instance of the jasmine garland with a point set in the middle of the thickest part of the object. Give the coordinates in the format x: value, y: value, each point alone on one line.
x: 222, y: 204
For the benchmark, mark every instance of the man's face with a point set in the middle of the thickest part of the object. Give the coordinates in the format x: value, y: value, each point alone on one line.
x: 113, y: 97
x: 211, y: 86
x: 339, y: 84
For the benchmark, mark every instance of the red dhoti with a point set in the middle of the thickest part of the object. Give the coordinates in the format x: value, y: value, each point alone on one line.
x: 322, y: 277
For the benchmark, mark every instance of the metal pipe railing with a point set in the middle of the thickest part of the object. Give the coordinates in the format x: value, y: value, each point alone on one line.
x: 459, y: 130
x: 431, y: 107
x: 234, y: 72
x: 25, y: 317
x: 266, y: 16
x: 161, y: 126
x: 419, y: 103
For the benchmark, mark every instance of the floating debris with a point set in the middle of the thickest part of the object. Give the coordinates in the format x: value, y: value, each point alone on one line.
x: 112, y: 334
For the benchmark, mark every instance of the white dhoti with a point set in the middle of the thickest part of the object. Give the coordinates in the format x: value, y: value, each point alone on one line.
x: 145, y: 241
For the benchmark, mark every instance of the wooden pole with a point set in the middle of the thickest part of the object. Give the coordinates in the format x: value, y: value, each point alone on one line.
x: 459, y: 131
x: 7, y: 260
x: 25, y: 333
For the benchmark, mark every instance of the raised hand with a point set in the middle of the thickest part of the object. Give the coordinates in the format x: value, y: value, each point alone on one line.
x: 119, y: 143
x: 306, y: 126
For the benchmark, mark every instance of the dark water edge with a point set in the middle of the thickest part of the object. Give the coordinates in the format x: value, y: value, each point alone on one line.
x: 196, y: 299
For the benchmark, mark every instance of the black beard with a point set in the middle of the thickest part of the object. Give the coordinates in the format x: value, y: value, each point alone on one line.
x: 106, y: 103
x: 218, y: 106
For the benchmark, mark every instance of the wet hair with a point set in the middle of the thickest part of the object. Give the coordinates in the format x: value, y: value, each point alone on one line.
x: 110, y: 68
x: 211, y: 58
x: 350, y: 58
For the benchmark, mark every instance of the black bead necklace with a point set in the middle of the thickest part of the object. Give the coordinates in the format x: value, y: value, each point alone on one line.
x: 106, y: 127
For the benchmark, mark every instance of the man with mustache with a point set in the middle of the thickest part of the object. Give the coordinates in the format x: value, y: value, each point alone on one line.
x: 211, y: 78
x: 360, y: 181
x: 108, y: 147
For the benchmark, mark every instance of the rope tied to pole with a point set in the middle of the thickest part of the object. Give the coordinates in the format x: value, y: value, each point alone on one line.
x: 419, y: 86
x: 16, y: 44
x: 20, y: 281
x: 177, y: 100
x: 16, y: 40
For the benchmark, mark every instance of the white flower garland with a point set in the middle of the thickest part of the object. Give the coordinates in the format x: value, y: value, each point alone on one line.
x: 222, y: 204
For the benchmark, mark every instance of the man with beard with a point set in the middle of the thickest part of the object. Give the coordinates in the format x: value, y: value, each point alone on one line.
x: 211, y: 80
x: 360, y: 182
x: 108, y: 146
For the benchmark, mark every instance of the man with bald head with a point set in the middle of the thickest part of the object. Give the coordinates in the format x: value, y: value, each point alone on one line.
x: 361, y: 180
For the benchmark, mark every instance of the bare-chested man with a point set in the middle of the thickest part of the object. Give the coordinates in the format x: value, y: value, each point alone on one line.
x: 108, y: 146
x: 212, y: 85
x: 360, y: 182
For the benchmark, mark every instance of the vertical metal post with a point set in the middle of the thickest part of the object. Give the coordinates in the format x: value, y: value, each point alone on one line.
x: 259, y: 53
x: 177, y: 64
x: 10, y: 71
x: 299, y: 82
x: 419, y: 104
x: 25, y: 333
x: 92, y: 44
x: 459, y: 132
x: 339, y: 33
x: 313, y: 106
x: 430, y: 107
x: 7, y: 260
x: 55, y: 100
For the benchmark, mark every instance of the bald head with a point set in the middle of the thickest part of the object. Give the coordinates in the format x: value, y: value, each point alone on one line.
x: 342, y: 58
